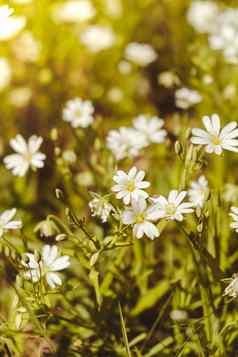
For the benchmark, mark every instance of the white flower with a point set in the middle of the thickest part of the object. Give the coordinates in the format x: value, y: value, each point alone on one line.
x: 10, y: 25
x: 140, y: 53
x: 186, y: 98
x: 130, y: 186
x: 100, y: 207
x: 202, y: 15
x: 150, y: 127
x: 140, y: 217
x: 74, y: 11
x: 26, y: 47
x: 168, y: 79
x: 97, y: 38
x: 224, y: 35
x: 5, y: 73
x: 20, y: 97
x: 234, y: 215
x: 7, y: 222
x: 215, y: 138
x: 5, y: 12
x: 125, y: 142
x: 114, y: 8
x: 124, y: 67
x: 27, y: 155
x: 45, y: 267
x: 172, y: 208
x: 115, y: 94
x: 198, y: 192
x: 78, y: 112
x: 232, y: 288
x: 230, y: 193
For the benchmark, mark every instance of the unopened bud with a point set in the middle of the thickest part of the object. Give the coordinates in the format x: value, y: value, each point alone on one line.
x: 37, y: 256
x: 198, y: 212
x: 178, y: 147
x: 200, y: 228
x: 54, y: 134
x: 60, y: 237
x: 59, y: 194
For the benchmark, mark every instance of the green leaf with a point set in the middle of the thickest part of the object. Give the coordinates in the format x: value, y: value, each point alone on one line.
x: 159, y: 347
x: 150, y: 298
x: 124, y: 333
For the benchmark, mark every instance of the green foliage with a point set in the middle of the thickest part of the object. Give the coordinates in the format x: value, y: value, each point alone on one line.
x: 120, y: 296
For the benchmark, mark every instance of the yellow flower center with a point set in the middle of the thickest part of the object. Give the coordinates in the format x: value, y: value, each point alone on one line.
x: 216, y: 140
x: 28, y: 156
x: 170, y: 209
x: 131, y: 186
x: 140, y: 218
x: 78, y: 112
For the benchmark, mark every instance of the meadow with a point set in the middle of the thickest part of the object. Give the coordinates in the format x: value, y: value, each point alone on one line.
x: 118, y: 178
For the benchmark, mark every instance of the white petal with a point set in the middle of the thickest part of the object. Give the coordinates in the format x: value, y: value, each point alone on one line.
x: 207, y: 123
x: 151, y: 230
x: 19, y: 144
x: 180, y: 197
x: 132, y: 173
x: 200, y: 141
x: 53, y: 279
x: 215, y: 121
x: 128, y: 217
x: 34, y: 143
x: 6, y: 216
x: 172, y: 196
x: 60, y: 263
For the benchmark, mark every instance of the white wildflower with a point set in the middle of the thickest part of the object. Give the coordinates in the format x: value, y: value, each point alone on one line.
x: 150, y: 127
x: 230, y: 193
x: 125, y: 142
x: 224, y: 35
x: 140, y: 53
x: 168, y: 79
x: 10, y: 25
x: 27, y: 155
x: 186, y: 98
x: 26, y: 47
x: 7, y: 222
x: 97, y: 38
x: 130, y: 186
x: 199, y: 191
x: 74, y: 11
x: 100, y: 207
x: 78, y: 112
x: 172, y: 208
x: 202, y: 15
x: 141, y: 218
x: 20, y: 97
x: 115, y: 95
x: 124, y: 67
x: 214, y: 138
x: 46, y: 267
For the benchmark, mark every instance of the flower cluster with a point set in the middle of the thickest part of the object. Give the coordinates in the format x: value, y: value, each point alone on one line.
x: 127, y: 142
x: 221, y: 26
x: 130, y: 189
